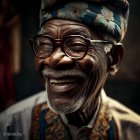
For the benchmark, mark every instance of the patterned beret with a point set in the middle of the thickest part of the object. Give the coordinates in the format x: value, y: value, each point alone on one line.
x: 108, y: 17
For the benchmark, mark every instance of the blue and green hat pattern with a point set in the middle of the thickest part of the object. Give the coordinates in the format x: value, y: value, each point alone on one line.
x: 108, y: 17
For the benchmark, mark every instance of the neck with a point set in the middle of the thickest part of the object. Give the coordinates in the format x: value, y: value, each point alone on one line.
x: 83, y: 116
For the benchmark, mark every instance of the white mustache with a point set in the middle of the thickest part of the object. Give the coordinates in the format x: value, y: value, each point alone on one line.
x: 48, y: 72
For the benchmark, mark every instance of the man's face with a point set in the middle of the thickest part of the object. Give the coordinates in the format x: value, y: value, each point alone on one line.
x: 70, y: 83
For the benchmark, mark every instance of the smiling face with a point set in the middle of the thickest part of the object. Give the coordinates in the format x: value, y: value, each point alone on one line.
x: 71, y: 83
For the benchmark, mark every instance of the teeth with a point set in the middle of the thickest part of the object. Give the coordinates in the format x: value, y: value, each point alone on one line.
x: 66, y: 81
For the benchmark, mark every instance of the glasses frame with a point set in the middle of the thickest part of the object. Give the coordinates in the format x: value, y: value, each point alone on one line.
x: 59, y: 42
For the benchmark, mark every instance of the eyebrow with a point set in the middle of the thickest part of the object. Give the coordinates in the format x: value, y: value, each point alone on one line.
x: 70, y: 32
x: 45, y: 32
x: 77, y: 32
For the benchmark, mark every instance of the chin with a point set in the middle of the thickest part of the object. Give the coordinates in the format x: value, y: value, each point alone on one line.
x: 65, y: 106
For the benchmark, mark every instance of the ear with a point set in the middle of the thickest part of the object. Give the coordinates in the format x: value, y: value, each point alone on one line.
x: 114, y: 58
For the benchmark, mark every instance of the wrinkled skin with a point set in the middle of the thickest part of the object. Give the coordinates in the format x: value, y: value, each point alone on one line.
x: 73, y: 86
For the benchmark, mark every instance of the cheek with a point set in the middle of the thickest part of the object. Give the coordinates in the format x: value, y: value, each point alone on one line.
x: 94, y: 63
x: 38, y: 63
x: 87, y: 63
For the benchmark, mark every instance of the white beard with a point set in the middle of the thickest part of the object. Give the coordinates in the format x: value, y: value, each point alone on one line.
x: 65, y: 108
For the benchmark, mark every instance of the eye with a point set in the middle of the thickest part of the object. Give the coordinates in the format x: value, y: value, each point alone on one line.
x: 44, y: 40
x: 77, y: 47
x: 43, y: 45
x: 75, y: 43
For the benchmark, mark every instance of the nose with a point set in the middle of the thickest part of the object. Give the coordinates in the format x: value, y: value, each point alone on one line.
x: 59, y: 60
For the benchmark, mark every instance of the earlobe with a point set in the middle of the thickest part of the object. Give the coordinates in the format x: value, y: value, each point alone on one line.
x: 114, y: 58
x: 113, y: 70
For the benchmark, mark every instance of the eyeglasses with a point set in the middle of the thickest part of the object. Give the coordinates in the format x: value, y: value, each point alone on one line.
x: 74, y: 46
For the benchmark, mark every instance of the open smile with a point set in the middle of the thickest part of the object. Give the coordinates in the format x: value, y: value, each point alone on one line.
x: 60, y: 85
x: 61, y: 82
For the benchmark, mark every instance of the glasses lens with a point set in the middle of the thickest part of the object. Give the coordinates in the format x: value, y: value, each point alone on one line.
x: 75, y: 47
x: 43, y: 46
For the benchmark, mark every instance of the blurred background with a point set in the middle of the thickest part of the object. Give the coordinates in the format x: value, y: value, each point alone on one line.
x: 19, y: 21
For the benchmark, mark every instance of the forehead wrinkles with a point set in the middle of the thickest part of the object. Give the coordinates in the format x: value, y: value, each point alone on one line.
x: 62, y: 28
x: 50, y: 29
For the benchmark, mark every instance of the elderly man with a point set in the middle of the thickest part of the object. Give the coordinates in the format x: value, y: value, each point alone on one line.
x: 76, y: 49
